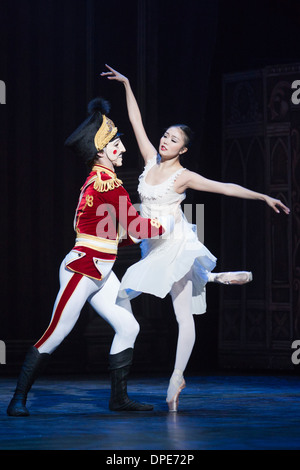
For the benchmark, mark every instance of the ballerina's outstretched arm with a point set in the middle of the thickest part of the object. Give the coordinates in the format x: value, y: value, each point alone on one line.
x: 190, y: 179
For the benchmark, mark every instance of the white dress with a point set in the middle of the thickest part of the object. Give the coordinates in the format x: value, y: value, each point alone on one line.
x: 167, y: 259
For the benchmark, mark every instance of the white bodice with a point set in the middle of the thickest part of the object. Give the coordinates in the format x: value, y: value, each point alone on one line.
x: 160, y: 199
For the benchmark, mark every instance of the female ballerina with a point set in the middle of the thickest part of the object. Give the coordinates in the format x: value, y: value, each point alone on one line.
x: 178, y: 264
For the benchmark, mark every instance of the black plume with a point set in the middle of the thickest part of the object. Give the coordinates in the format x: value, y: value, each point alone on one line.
x: 99, y: 104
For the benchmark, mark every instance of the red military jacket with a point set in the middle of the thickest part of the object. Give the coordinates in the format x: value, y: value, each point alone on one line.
x: 105, y: 218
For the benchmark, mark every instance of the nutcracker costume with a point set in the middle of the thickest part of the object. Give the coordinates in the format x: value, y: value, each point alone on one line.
x: 104, y: 220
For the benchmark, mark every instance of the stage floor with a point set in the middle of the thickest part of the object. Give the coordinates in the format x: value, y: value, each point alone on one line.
x: 215, y: 412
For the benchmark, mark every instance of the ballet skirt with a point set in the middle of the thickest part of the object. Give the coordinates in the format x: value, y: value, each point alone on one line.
x: 169, y: 258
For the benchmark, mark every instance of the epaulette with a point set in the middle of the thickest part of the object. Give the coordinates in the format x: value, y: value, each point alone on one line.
x: 104, y: 185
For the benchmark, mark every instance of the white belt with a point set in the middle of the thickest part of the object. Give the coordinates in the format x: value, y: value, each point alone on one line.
x: 96, y: 243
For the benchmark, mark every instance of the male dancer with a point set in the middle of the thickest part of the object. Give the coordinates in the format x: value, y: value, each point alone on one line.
x: 104, y: 219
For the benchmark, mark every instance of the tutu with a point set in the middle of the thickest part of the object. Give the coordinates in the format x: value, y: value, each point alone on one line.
x: 167, y: 259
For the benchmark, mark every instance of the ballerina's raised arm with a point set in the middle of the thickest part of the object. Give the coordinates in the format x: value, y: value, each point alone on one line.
x: 146, y: 148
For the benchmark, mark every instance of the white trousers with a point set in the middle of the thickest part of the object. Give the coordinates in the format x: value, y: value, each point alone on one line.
x: 75, y: 290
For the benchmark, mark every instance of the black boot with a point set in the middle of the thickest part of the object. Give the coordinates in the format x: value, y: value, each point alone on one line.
x: 119, y: 366
x: 30, y: 369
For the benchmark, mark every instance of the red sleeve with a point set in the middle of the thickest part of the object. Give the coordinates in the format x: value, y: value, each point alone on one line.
x: 128, y: 218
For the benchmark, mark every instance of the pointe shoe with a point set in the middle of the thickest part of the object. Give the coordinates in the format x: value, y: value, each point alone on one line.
x: 173, y: 403
x: 232, y: 278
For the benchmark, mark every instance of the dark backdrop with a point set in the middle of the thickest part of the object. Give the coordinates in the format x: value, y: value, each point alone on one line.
x: 52, y: 53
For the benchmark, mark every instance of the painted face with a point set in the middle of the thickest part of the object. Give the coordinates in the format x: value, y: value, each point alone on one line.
x: 172, y: 143
x: 114, y: 151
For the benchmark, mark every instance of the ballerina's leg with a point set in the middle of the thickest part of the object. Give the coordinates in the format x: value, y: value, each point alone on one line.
x: 181, y: 294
